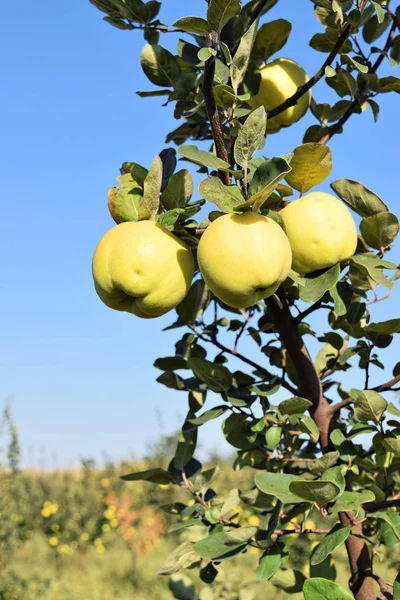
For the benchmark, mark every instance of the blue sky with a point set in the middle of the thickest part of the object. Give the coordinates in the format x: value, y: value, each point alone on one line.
x: 80, y: 375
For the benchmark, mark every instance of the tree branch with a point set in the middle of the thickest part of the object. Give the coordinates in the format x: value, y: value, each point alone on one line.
x: 363, y: 93
x: 212, y: 111
x: 385, y: 387
x: 342, y: 404
x: 309, y: 382
x: 303, y: 89
x: 316, y: 306
x: 379, y: 505
x: 246, y: 360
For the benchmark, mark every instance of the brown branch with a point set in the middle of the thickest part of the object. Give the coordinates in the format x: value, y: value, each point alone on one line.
x: 382, y: 585
x: 316, y: 306
x: 212, y: 111
x: 309, y: 382
x: 379, y: 505
x: 303, y: 89
x: 342, y: 404
x: 385, y: 387
x: 363, y: 93
x: 361, y: 583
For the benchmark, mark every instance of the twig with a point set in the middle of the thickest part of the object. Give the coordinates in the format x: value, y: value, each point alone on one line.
x: 374, y: 506
x: 363, y: 94
x: 246, y: 360
x: 384, y: 387
x: 342, y: 404
x: 241, y: 331
x: 316, y: 306
x: 212, y: 111
x: 303, y: 89
x: 382, y: 585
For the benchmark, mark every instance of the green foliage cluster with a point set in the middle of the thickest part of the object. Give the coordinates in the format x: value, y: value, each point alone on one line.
x: 327, y: 449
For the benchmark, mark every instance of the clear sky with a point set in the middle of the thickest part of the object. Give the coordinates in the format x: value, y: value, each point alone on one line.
x: 80, y: 375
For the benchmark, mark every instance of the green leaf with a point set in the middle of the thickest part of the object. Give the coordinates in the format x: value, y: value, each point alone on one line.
x: 270, y: 38
x: 181, y: 586
x: 185, y: 449
x: 251, y: 137
x: 231, y: 502
x: 373, y: 266
x: 171, y: 363
x: 308, y: 425
x: 153, y: 475
x: 342, y: 295
x: 392, y: 444
x: 240, y: 535
x: 219, y: 12
x: 124, y: 201
x: 117, y: 22
x: 215, y: 548
x: 170, y: 217
x: 318, y: 588
x: 200, y: 157
x: 179, y: 190
x: 330, y: 71
x: 324, y: 42
x: 332, y: 540
x: 320, y: 492
x: 193, y: 25
x: 380, y: 14
x: 150, y: 204
x: 392, y: 519
x: 316, y: 285
x: 209, y: 415
x: 194, y: 303
x: 270, y: 561
x: 226, y: 52
x: 325, y: 462
x: 137, y: 172
x: 389, y: 84
x: 364, y: 202
x: 369, y: 406
x: 235, y: 430
x: 216, y: 377
x: 278, y: 485
x: 159, y: 65
x: 205, y: 53
x: 391, y: 326
x: 273, y: 437
x: 380, y: 230
x: 154, y: 93
x: 224, y: 95
x: 311, y: 164
x: 181, y: 558
x: 294, y: 405
x: 264, y: 182
x: 373, y: 29
x: 352, y: 501
x: 289, y: 580
x: 241, y: 59
x: 227, y: 197
x: 358, y: 65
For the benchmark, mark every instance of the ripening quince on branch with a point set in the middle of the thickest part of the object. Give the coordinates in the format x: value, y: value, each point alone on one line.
x: 142, y: 268
x: 279, y: 81
x: 321, y: 231
x: 244, y: 258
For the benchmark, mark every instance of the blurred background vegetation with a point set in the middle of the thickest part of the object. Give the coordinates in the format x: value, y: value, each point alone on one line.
x: 84, y: 534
